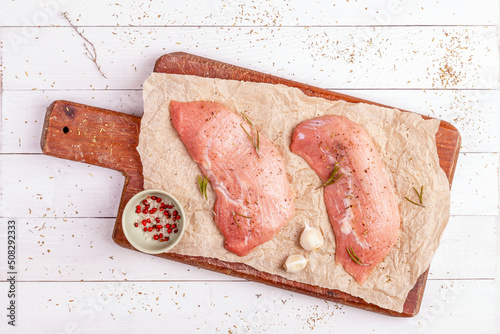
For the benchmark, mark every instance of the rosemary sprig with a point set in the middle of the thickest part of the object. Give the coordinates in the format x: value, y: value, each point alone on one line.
x: 258, y: 143
x: 236, y: 220
x: 255, y: 143
x: 202, y: 184
x: 236, y: 213
x: 409, y: 200
x: 420, y: 197
x: 354, y: 257
x: 334, y: 176
x: 421, y: 193
x: 91, y: 52
x: 246, y: 119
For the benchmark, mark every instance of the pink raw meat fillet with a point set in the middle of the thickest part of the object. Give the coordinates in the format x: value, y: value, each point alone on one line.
x: 361, y: 204
x: 246, y: 184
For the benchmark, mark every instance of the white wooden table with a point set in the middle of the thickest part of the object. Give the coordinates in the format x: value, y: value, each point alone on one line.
x: 438, y: 58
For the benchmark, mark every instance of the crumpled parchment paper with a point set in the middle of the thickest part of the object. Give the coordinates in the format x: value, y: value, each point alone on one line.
x: 406, y: 143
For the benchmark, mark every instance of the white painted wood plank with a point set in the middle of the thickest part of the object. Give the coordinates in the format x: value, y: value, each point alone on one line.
x: 330, y: 57
x: 473, y: 112
x: 254, y: 13
x: 467, y: 249
x: 497, y: 279
x: 54, y: 187
x: 237, y: 307
x: 475, y: 187
x: 82, y: 249
x: 43, y: 186
x: 303, y: 55
x: 69, y: 249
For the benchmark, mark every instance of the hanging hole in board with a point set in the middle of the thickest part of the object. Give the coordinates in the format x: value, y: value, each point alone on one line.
x: 65, y: 129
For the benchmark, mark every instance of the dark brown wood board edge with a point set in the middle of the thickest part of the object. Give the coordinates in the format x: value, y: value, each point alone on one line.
x: 189, y: 64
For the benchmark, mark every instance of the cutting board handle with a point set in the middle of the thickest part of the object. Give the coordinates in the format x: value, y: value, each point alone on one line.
x: 95, y: 136
x: 92, y: 135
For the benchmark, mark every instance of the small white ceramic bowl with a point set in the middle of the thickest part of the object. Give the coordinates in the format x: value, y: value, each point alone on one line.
x: 135, y: 235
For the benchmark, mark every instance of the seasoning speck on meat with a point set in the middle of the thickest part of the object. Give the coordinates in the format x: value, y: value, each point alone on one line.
x: 360, y: 200
x: 254, y: 199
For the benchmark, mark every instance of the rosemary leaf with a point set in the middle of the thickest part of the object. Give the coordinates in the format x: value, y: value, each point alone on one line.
x: 236, y: 220
x: 205, y: 188
x: 202, y: 184
x: 246, y: 119
x: 354, y: 257
x: 409, y: 200
x: 249, y: 137
x: 334, y: 176
x: 255, y: 145
x: 420, y: 195
x: 242, y: 215
x: 258, y: 142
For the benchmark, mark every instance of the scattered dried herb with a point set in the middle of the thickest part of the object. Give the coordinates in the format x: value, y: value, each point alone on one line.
x: 255, y: 142
x: 258, y: 143
x: 246, y: 119
x: 419, y: 195
x: 334, y: 176
x: 91, y: 54
x: 236, y: 220
x: 202, y: 184
x: 354, y: 257
x: 242, y: 215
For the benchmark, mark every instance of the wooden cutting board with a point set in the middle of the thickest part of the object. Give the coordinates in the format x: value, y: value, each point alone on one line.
x: 109, y: 139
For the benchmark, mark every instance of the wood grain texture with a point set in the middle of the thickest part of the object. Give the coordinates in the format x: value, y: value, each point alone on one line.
x: 86, y: 142
x: 180, y: 308
x: 256, y: 13
x: 91, y: 236
x: 329, y: 57
x: 98, y: 137
x: 479, y: 126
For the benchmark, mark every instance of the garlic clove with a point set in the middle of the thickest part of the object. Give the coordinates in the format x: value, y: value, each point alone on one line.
x: 311, y: 238
x: 295, y: 263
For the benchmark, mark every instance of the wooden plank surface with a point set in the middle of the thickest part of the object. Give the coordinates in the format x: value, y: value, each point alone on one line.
x: 21, y: 131
x: 44, y: 255
x: 330, y: 57
x: 79, y: 199
x: 69, y: 143
x: 58, y: 188
x: 255, y: 13
x: 239, y: 307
